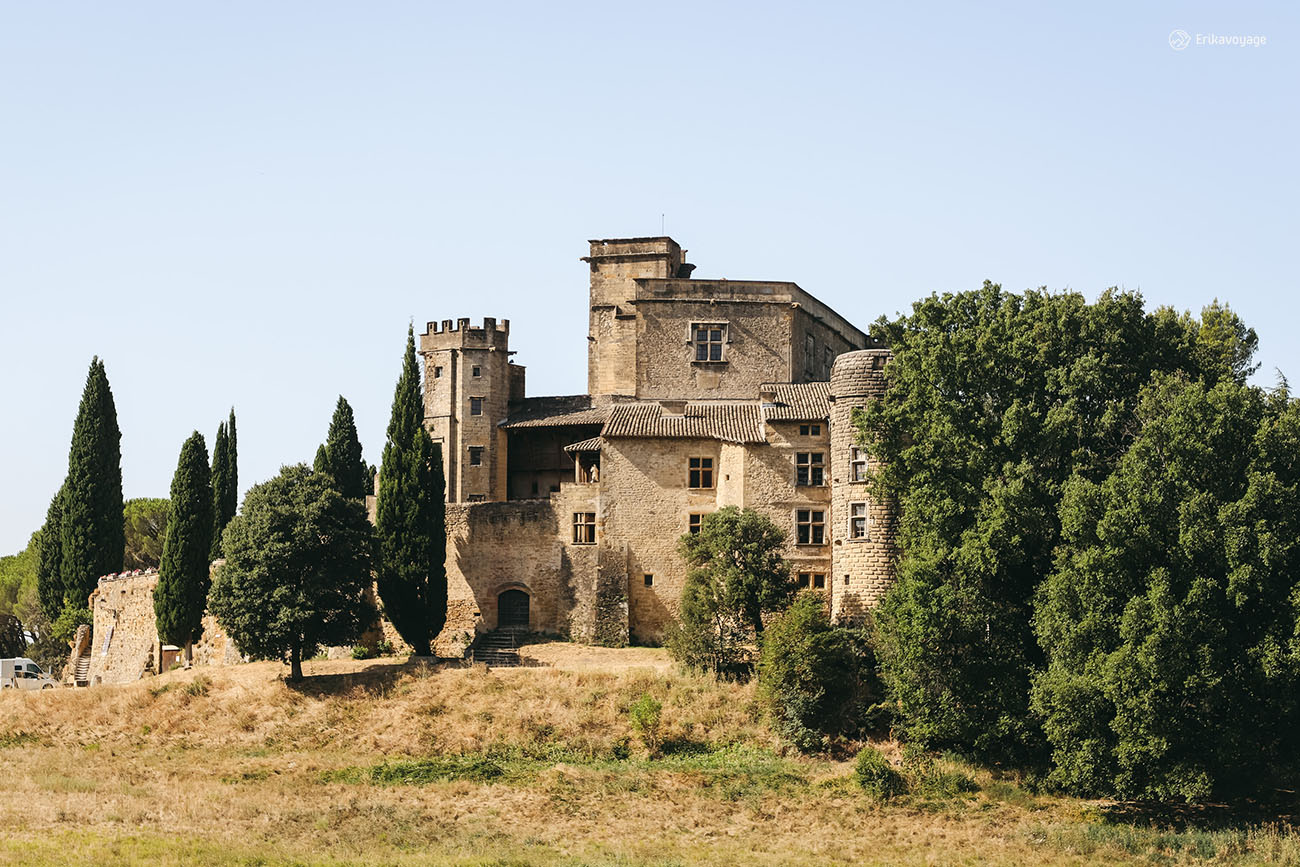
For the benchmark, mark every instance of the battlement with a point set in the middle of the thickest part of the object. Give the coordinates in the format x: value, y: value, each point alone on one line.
x: 459, y: 334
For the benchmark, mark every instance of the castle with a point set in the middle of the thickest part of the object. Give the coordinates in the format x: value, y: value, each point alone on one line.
x: 564, y: 513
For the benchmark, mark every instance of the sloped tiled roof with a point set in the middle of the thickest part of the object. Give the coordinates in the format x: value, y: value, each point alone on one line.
x: 729, y: 422
x: 798, y: 401
x: 556, y: 412
x: 591, y: 445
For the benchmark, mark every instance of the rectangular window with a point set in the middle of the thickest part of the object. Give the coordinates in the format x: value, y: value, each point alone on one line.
x: 809, y: 357
x: 700, y: 473
x: 476, y: 456
x: 857, y: 464
x: 649, y: 580
x: 809, y: 468
x: 584, y: 528
x: 476, y: 406
x: 476, y: 371
x: 827, y: 360
x: 694, y: 522
x: 437, y: 373
x: 810, y: 526
x: 709, y: 339
x: 858, y: 520
x: 812, y: 580
x: 810, y: 430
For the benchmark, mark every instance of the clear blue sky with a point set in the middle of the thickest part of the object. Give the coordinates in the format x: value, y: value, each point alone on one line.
x: 246, y: 202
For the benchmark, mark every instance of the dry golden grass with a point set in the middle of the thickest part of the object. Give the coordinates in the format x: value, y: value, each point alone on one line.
x: 231, y: 765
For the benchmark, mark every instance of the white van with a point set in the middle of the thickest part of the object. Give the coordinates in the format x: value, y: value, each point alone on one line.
x: 22, y: 673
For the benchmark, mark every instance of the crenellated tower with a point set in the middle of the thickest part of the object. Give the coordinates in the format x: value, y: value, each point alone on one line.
x: 469, y: 383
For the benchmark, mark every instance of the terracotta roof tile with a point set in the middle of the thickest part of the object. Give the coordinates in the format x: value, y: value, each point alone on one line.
x: 729, y: 422
x: 798, y: 401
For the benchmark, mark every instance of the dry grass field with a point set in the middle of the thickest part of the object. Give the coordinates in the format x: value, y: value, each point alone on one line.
x: 387, y: 762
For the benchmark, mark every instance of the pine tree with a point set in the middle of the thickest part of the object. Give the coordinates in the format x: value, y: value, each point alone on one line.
x: 343, y: 454
x: 220, y: 469
x: 410, y: 518
x: 49, y: 576
x: 93, y: 529
x: 182, y: 591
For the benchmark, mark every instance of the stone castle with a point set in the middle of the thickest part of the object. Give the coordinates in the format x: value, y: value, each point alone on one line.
x: 564, y: 513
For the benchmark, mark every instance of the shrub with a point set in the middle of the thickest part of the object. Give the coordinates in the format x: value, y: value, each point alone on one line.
x: 876, y: 775
x: 361, y: 652
x: 818, y: 681
x: 646, y: 715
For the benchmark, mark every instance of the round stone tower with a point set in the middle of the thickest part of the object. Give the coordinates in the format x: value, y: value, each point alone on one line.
x: 863, y: 552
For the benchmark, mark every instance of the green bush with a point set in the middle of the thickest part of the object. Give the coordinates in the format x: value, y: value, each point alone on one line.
x: 646, y: 715
x: 361, y: 652
x: 877, y: 776
x: 818, y: 681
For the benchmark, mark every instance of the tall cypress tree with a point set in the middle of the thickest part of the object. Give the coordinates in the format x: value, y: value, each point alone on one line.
x: 220, y: 469
x: 410, y: 518
x: 321, y: 463
x: 49, y: 566
x: 93, y: 528
x: 343, y: 454
x: 230, y: 501
x: 183, y: 580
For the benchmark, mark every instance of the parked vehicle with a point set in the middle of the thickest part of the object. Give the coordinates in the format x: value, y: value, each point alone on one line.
x: 23, y: 673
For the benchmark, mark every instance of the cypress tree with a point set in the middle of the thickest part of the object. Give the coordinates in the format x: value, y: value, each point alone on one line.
x: 230, y: 501
x: 321, y: 464
x: 183, y: 580
x: 49, y: 578
x: 220, y: 469
x: 343, y: 454
x: 93, y: 528
x: 410, y: 518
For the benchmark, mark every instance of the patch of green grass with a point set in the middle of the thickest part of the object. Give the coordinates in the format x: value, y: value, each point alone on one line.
x: 255, y: 776
x: 443, y: 769
x: 17, y: 739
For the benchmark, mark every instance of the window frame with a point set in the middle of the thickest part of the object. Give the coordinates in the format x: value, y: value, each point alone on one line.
x: 859, y: 519
x: 695, y: 522
x: 857, y: 460
x: 584, y: 528
x: 809, y: 580
x: 806, y: 469
x: 476, y: 406
x: 714, y: 343
x: 696, y: 470
x: 475, y: 371
x: 810, y: 530
x: 476, y: 456
x: 648, y: 578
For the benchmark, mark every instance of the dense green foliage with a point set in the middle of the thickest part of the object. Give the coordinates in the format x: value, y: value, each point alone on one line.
x: 876, y: 776
x: 1170, y: 624
x: 320, y: 463
x: 342, y: 454
x: 182, y: 591
x: 740, y: 552
x: 49, y: 560
x: 818, y: 681
x: 221, y: 469
x: 995, y: 401
x: 18, y: 580
x: 92, y: 533
x: 708, y: 635
x: 297, y: 567
x: 146, y: 525
x: 410, y: 522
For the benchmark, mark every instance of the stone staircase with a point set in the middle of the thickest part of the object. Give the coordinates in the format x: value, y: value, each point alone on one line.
x: 499, y: 648
x: 81, y: 670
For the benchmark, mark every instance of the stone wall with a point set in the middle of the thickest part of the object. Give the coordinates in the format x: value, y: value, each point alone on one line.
x: 863, y: 568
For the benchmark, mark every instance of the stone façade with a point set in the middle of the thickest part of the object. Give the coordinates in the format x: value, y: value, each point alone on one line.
x: 577, y: 502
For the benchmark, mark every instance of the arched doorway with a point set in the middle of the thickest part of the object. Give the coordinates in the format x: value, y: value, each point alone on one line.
x: 512, y: 610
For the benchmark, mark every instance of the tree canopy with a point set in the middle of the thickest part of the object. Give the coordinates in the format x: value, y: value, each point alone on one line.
x: 994, y: 402
x: 410, y: 521
x: 146, y: 525
x: 183, y: 580
x: 297, y: 568
x: 225, y: 480
x: 341, y: 453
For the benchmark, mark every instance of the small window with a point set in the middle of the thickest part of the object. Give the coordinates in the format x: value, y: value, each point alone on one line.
x: 827, y: 360
x: 709, y: 340
x: 476, y: 406
x: 476, y: 456
x: 812, y: 580
x: 694, y: 523
x: 476, y: 371
x: 649, y: 580
x: 700, y: 474
x: 437, y: 373
x: 584, y: 528
x: 809, y: 356
x: 857, y: 464
x: 858, y: 520
x: 810, y: 430
x: 809, y: 468
x: 810, y: 526
x: 476, y: 498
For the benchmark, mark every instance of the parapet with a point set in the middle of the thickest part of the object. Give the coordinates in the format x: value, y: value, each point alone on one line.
x: 458, y: 333
x: 859, y: 374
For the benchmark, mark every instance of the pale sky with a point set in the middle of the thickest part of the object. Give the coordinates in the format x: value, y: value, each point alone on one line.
x: 245, y: 203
